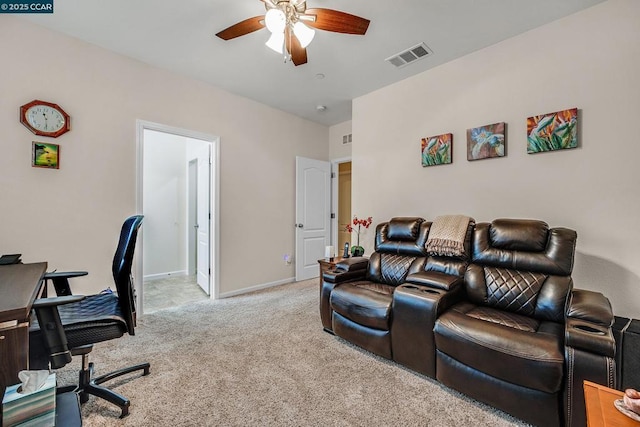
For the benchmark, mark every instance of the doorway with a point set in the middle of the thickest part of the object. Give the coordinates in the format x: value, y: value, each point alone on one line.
x: 344, y: 204
x: 341, y: 203
x: 178, y: 195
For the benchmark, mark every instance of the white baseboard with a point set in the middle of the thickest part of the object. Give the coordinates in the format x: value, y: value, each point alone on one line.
x: 257, y: 287
x: 165, y: 275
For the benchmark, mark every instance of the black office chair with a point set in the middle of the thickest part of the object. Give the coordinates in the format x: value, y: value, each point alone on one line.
x: 73, y: 323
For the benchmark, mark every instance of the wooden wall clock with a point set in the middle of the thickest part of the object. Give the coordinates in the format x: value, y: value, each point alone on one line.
x: 45, y: 118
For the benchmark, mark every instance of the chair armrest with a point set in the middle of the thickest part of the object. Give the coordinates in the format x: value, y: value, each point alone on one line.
x: 588, y: 324
x: 64, y: 274
x: 347, y: 269
x: 61, y: 280
x: 51, y: 329
x: 56, y: 301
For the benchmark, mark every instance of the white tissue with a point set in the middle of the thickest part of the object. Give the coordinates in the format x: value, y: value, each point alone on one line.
x: 32, y: 380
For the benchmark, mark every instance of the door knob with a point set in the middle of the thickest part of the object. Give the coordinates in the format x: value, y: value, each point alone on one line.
x: 299, y: 225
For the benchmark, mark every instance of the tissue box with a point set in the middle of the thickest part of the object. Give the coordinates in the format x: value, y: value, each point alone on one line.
x: 32, y: 409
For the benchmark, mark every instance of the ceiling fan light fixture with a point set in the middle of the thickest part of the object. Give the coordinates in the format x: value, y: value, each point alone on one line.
x: 276, y: 42
x: 303, y: 33
x: 275, y: 20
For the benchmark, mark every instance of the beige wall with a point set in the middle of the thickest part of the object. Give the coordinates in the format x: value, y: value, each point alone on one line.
x: 590, y: 60
x: 71, y: 217
x: 338, y: 150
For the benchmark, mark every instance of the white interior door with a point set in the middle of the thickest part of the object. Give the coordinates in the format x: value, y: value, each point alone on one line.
x: 192, y: 217
x: 313, y: 215
x: 203, y: 189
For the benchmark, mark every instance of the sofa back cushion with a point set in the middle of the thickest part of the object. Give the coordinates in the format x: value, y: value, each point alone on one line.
x: 399, y: 242
x: 521, y: 266
x: 455, y: 266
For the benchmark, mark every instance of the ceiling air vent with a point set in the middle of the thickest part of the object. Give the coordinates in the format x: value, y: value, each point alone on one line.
x: 408, y: 56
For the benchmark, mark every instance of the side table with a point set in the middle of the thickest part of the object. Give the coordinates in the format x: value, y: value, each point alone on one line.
x: 327, y: 264
x: 601, y: 411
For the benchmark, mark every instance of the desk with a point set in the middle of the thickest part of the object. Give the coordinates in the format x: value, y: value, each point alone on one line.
x: 19, y: 287
x: 600, y: 409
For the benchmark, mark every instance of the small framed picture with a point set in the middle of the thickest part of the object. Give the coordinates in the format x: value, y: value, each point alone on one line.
x: 552, y: 131
x: 486, y: 141
x: 45, y: 155
x: 436, y: 150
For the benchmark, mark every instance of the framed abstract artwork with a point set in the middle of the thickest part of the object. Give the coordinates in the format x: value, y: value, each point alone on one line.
x: 552, y: 131
x: 486, y: 141
x: 436, y: 150
x: 45, y: 155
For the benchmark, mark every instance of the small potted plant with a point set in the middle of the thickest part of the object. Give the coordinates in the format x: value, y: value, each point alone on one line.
x: 357, y: 250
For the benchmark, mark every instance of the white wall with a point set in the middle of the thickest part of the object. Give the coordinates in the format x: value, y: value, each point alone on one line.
x: 164, y: 203
x: 590, y: 60
x: 71, y: 217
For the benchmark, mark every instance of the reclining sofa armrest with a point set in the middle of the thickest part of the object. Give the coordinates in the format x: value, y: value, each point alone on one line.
x: 346, y: 270
x: 588, y: 324
x: 589, y: 350
x: 356, y: 266
x: 435, y: 279
x: 590, y: 306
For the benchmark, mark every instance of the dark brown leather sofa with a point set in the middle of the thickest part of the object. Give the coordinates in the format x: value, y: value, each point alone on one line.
x: 502, y: 323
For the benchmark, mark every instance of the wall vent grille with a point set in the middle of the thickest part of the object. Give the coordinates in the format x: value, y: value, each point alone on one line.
x: 410, y: 55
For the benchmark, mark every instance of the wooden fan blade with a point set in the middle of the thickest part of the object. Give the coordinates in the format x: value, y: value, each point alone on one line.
x: 298, y: 53
x: 336, y: 21
x: 241, y: 28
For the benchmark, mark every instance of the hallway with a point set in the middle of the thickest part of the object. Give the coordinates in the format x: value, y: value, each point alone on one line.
x: 171, y: 291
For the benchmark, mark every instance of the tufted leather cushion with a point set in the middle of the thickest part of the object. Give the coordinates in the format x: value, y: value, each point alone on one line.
x: 364, y: 302
x: 513, y: 290
x: 522, y: 292
x: 507, y: 346
x: 388, y: 268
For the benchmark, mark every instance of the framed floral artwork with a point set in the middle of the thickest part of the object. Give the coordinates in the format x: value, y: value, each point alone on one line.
x: 45, y: 155
x: 486, y: 141
x: 436, y: 150
x: 552, y: 131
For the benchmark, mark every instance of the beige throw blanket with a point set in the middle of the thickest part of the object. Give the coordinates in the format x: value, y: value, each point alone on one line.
x: 446, y: 236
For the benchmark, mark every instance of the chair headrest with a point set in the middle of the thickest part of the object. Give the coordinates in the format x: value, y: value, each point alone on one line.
x: 519, y: 234
x: 522, y: 244
x: 404, y: 229
x: 402, y: 236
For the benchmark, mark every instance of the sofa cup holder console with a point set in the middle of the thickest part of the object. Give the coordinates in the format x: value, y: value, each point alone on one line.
x: 589, y: 329
x: 422, y: 289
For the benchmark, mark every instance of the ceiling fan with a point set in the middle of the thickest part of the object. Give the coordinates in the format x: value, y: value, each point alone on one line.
x: 289, y: 22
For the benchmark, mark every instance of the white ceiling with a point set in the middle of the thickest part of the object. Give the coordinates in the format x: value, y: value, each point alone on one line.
x: 179, y: 36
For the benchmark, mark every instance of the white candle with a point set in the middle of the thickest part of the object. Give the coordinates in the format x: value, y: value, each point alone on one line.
x: 328, y: 252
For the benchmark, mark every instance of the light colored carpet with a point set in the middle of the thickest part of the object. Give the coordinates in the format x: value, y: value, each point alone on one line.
x: 262, y: 359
